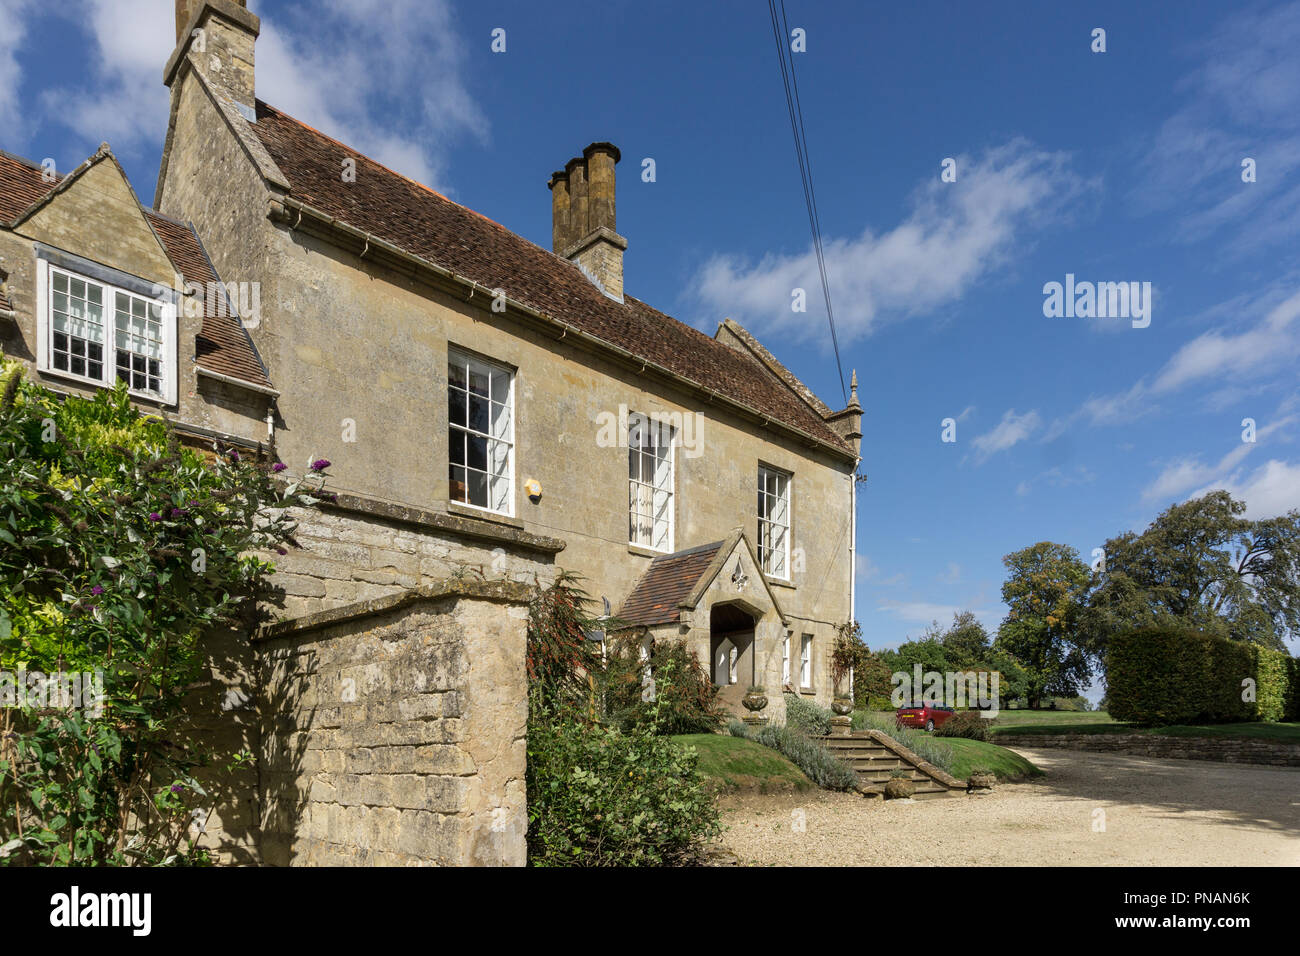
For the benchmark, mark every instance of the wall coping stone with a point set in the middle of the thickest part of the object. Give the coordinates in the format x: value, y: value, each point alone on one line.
x: 478, y: 528
x: 503, y: 592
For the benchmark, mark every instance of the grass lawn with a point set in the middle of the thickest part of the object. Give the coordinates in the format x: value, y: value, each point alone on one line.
x: 1007, y: 765
x: 1057, y: 720
x: 729, y: 763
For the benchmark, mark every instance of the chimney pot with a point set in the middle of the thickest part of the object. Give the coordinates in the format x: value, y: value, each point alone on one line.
x: 560, y: 231
x: 583, y: 217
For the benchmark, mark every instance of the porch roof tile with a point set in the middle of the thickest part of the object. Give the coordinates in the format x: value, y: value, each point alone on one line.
x: 666, y: 584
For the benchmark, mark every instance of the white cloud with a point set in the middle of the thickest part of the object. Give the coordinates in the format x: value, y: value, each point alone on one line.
x: 1239, y: 360
x: 956, y: 235
x: 1012, y: 430
x: 12, y: 16
x: 1271, y: 489
x: 384, y: 77
x: 1243, y: 100
x: 1274, y: 342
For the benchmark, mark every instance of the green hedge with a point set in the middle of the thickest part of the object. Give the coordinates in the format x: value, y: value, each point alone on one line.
x: 1163, y: 675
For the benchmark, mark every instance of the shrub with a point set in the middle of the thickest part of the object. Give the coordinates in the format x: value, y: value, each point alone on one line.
x: 811, y: 756
x: 807, y: 717
x: 598, y: 797
x: 561, y: 662
x: 121, y: 550
x: 1167, y: 675
x: 968, y: 724
x: 685, y: 698
x: 738, y: 728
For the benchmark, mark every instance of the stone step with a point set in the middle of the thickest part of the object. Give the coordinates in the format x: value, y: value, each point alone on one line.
x: 921, y: 793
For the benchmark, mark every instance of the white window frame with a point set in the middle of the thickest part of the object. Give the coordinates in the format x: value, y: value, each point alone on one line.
x: 662, y: 483
x: 785, y: 661
x: 45, y: 271
x: 805, y: 661
x: 776, y: 485
x: 505, y: 442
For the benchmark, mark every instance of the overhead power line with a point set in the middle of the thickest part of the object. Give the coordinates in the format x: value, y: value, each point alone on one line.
x: 781, y: 34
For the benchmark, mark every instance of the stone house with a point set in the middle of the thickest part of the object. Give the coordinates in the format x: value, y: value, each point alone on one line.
x: 504, y: 405
x: 486, y: 404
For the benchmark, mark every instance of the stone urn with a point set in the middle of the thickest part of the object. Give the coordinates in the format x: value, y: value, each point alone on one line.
x: 842, y: 706
x: 755, y: 700
x: 980, y: 780
x: 899, y: 788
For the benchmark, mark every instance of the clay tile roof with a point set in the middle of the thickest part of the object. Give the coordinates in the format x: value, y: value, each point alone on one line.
x: 666, y: 584
x: 221, y: 345
x: 21, y: 185
x: 428, y: 225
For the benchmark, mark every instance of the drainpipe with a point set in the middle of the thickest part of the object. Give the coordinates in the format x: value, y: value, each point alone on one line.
x: 853, y: 553
x: 853, y: 541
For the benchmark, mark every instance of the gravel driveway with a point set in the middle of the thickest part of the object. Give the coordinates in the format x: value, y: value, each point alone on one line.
x: 1152, y: 812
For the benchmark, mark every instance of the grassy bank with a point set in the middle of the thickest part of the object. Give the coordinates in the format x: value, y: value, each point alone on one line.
x: 1007, y: 765
x: 730, y: 764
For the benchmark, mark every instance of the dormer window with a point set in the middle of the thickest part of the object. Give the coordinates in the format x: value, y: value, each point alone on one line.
x: 100, y: 332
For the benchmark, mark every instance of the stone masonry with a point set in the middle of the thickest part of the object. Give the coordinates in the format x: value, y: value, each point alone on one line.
x: 394, y: 730
x: 1223, y: 749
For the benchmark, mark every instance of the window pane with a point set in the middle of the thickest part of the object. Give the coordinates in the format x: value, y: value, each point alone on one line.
x: 500, y: 386
x: 500, y: 494
x: 499, y: 459
x: 456, y: 373
x: 500, y: 427
x: 476, y: 452
x: 456, y: 405
x: 477, y: 488
x: 478, y: 379
x: 478, y: 413
x: 456, y: 483
x: 60, y: 282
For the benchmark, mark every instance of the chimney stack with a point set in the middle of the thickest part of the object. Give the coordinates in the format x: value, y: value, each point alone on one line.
x: 583, y: 217
x: 224, y: 51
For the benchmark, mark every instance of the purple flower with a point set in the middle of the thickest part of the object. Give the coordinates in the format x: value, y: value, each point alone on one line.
x: 177, y: 788
x: 179, y: 512
x: 234, y: 455
x: 193, y: 503
x: 279, y: 466
x: 96, y: 590
x: 155, y: 516
x: 320, y: 464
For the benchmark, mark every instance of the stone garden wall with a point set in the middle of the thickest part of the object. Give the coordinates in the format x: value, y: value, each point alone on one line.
x: 360, y: 549
x: 394, y: 730
x: 1152, y: 745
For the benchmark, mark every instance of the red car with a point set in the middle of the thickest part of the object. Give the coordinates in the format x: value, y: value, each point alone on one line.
x: 923, y: 716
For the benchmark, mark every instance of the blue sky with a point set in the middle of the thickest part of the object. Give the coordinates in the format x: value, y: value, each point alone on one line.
x: 1115, y: 166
